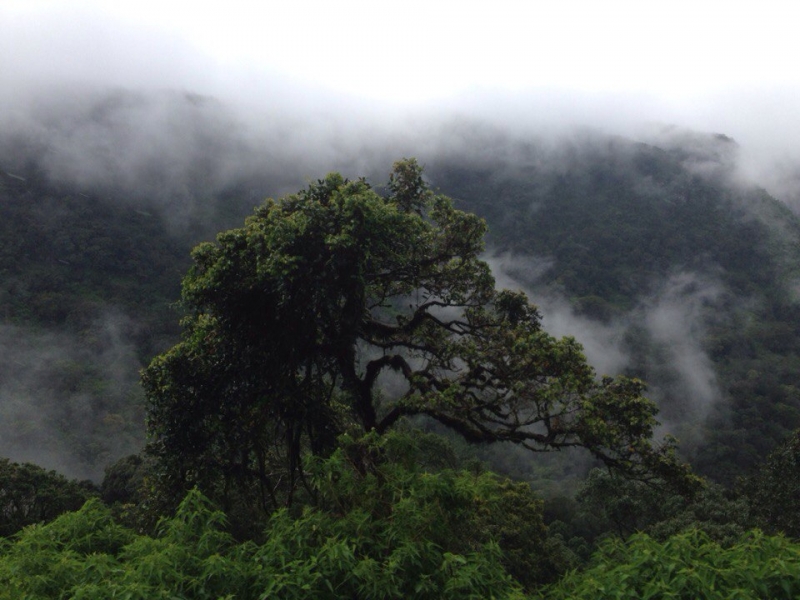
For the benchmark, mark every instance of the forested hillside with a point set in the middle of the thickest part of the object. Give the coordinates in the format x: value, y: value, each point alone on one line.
x: 660, y: 247
x: 692, y: 272
x: 86, y: 294
x: 655, y: 255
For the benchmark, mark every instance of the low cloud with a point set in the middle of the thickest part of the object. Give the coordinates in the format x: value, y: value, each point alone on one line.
x: 602, y: 343
x: 675, y: 319
x: 661, y: 340
x: 68, y: 403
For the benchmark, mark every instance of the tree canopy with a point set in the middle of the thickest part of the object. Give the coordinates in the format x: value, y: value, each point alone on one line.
x: 396, y: 532
x: 30, y: 494
x: 774, y: 489
x: 338, y: 309
x: 687, y: 565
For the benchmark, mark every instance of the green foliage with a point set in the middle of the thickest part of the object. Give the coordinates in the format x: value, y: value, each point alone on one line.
x: 50, y: 561
x: 86, y: 555
x: 65, y: 255
x: 296, y: 317
x: 30, y: 494
x: 124, y: 480
x: 618, y: 216
x: 127, y: 490
x: 774, y: 490
x: 611, y: 505
x: 717, y: 512
x: 688, y: 565
x: 392, y: 532
x: 86, y: 288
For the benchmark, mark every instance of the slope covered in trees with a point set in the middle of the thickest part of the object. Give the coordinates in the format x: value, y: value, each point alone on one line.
x: 690, y: 273
x: 341, y: 310
x: 86, y: 288
x: 668, y: 250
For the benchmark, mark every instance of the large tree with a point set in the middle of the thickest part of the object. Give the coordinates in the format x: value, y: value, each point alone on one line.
x: 339, y: 309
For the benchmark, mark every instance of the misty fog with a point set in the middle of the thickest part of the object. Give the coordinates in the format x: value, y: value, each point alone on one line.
x: 67, y: 403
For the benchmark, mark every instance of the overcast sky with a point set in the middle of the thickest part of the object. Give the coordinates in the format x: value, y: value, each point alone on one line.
x: 716, y: 66
x: 415, y: 51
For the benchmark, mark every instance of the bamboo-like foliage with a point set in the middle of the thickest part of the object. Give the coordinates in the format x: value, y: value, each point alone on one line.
x: 396, y: 532
x: 688, y: 566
